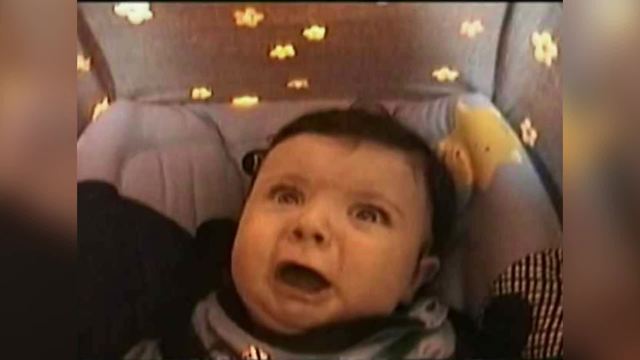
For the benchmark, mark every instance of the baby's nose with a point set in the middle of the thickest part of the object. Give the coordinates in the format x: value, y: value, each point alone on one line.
x: 313, y: 225
x: 316, y: 236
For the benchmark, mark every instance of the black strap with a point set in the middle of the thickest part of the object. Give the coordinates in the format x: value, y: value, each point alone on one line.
x: 400, y: 348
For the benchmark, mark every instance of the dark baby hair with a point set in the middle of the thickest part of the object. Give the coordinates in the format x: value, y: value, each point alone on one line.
x: 383, y: 129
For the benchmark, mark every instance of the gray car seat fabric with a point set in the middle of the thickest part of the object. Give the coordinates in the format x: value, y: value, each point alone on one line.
x: 424, y: 35
x: 498, y: 61
x: 527, y: 89
x: 165, y: 157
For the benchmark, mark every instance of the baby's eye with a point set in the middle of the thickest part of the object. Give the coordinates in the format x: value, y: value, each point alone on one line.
x: 371, y: 214
x: 286, y: 195
x: 288, y: 198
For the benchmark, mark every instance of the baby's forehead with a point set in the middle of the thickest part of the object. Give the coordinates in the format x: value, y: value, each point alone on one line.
x: 363, y: 153
x: 376, y: 152
x: 346, y: 143
x: 354, y: 165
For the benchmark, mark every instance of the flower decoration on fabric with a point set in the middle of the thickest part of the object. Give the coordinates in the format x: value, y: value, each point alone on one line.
x: 135, y: 12
x: 248, y: 17
x: 479, y: 144
x: 445, y: 74
x: 100, y: 108
x: 83, y: 64
x: 298, y: 84
x: 315, y: 33
x: 528, y: 133
x: 471, y: 29
x: 245, y: 101
x: 282, y: 52
x: 254, y: 353
x: 201, y: 93
x: 545, y: 48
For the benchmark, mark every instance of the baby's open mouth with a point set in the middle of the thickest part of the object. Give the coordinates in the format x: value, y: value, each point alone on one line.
x: 301, y: 277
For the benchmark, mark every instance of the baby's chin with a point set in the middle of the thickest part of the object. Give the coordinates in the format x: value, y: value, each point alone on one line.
x: 291, y: 316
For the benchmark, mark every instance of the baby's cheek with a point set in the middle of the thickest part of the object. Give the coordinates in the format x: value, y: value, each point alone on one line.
x: 376, y: 278
x: 251, y: 251
x: 254, y: 245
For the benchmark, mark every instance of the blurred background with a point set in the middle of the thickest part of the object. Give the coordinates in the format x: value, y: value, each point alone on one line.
x: 601, y: 178
x: 37, y: 179
x: 37, y: 110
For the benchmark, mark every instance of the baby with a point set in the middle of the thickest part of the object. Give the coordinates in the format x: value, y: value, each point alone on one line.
x: 338, y: 238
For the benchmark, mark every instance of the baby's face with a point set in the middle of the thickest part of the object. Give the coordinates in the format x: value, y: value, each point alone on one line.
x: 331, y: 232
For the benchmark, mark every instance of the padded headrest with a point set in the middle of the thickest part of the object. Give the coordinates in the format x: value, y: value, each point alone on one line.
x: 186, y: 162
x: 165, y: 157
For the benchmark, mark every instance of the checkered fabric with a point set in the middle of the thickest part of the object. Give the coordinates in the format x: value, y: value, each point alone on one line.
x: 538, y: 279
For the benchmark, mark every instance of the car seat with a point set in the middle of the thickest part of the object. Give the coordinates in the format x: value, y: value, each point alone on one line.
x: 185, y: 154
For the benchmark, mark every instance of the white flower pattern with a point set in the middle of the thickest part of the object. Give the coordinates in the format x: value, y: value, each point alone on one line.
x: 135, y: 12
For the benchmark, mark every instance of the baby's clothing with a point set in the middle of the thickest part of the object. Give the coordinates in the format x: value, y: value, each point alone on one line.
x: 221, y: 329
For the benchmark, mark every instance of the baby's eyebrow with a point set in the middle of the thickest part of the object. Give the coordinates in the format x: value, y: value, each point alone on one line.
x: 369, y: 194
x: 295, y: 178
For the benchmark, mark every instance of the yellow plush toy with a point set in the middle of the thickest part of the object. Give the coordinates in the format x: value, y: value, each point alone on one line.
x: 479, y: 144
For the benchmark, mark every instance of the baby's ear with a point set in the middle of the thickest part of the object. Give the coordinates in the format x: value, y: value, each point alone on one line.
x: 426, y: 270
